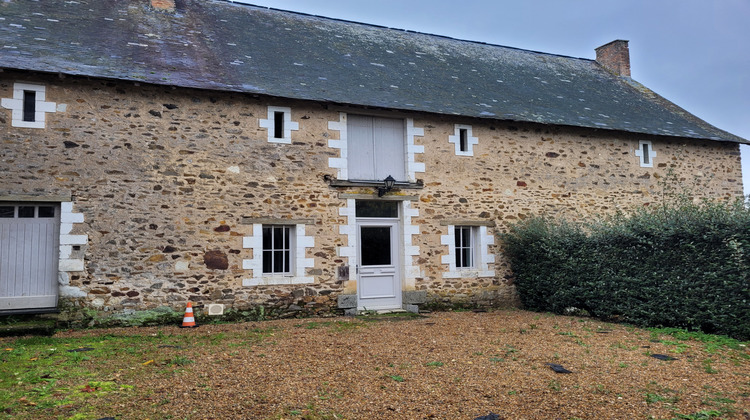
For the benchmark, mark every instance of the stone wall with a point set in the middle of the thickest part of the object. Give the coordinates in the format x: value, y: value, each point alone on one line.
x: 169, y: 180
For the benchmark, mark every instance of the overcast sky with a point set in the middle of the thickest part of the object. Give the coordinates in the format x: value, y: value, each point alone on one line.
x: 696, y: 53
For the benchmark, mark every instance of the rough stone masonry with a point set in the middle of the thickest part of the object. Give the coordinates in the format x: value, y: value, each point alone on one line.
x: 170, y: 180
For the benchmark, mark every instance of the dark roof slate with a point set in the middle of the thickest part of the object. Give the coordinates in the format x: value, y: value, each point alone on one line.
x: 214, y: 44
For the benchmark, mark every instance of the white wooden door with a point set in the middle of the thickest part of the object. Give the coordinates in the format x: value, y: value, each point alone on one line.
x: 378, y: 271
x: 29, y: 254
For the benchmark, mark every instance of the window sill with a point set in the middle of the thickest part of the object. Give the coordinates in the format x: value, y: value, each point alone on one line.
x: 468, y: 274
x: 276, y: 280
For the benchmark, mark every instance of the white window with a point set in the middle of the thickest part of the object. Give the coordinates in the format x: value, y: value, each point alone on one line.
x: 464, y: 246
x: 468, y: 251
x: 463, y: 140
x: 278, y: 255
x: 279, y: 124
x: 277, y: 249
x: 376, y: 148
x: 646, y: 154
x: 28, y: 105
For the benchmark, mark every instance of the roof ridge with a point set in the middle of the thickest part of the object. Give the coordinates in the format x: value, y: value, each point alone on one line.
x: 374, y: 25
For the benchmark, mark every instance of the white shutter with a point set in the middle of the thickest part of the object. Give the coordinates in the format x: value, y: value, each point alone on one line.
x: 376, y: 148
x: 361, y: 162
x: 390, y: 148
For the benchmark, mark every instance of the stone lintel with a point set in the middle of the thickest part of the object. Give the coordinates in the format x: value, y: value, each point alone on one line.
x: 44, y: 198
x: 275, y: 221
x: 355, y: 196
x: 461, y: 222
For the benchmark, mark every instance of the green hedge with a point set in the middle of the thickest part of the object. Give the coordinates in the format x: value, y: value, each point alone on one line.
x: 684, y: 266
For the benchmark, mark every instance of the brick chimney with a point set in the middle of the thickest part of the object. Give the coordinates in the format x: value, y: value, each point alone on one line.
x: 166, y: 5
x: 615, y: 57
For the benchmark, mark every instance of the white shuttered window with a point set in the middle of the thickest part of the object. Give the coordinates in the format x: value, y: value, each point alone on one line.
x: 376, y: 148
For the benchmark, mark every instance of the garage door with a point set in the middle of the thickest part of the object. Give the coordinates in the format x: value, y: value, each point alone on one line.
x: 29, y: 235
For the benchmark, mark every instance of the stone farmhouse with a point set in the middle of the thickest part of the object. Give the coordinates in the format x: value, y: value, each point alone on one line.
x: 158, y: 152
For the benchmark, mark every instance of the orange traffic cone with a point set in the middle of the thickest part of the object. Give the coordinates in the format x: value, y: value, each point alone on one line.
x: 188, y: 321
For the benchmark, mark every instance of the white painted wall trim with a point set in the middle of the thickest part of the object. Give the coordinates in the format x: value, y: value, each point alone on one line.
x: 301, y: 243
x: 339, y: 163
x: 651, y: 154
x: 412, y: 166
x: 68, y: 263
x: 289, y: 125
x: 15, y: 104
x: 349, y: 229
x: 411, y: 271
x: 483, y: 258
x: 456, y: 140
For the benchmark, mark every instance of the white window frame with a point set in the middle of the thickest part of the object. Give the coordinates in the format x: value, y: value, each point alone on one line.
x: 471, y: 246
x: 646, y: 160
x: 16, y: 105
x: 481, y: 240
x: 298, y: 246
x: 470, y: 140
x: 287, y: 124
x: 286, y: 247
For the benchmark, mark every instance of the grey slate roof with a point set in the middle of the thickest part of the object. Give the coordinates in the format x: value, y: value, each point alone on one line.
x: 214, y: 44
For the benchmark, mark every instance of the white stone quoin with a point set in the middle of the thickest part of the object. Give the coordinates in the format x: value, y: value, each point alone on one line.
x: 66, y: 264
x: 15, y: 104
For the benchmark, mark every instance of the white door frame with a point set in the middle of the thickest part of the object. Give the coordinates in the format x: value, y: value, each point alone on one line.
x: 387, y: 296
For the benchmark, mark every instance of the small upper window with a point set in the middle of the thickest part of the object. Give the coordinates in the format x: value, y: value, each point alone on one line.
x: 646, y: 154
x: 463, y: 140
x: 46, y: 211
x: 28, y: 105
x: 376, y: 208
x: 7, y: 211
x: 279, y: 124
x: 26, y: 212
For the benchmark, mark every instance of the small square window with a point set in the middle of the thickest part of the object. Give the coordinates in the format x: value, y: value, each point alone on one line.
x: 7, y: 211
x: 277, y: 249
x: 46, y: 211
x: 464, y: 246
x: 26, y: 212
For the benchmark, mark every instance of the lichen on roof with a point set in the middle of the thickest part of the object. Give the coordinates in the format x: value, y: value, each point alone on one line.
x: 215, y: 44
